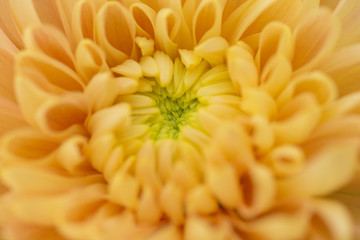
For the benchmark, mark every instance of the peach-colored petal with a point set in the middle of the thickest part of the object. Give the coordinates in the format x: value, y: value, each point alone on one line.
x: 206, y: 21
x: 241, y: 67
x: 299, y: 117
x: 167, y: 25
x: 276, y: 75
x: 275, y: 39
x: 330, y: 220
x: 82, y: 23
x: 323, y: 173
x: 315, y: 83
x: 90, y: 60
x: 315, y: 37
x: 26, y: 231
x: 42, y: 180
x: 349, y: 14
x: 343, y: 67
x: 51, y: 42
x: 242, y: 17
x: 28, y: 146
x: 115, y: 32
x: 284, y: 11
x: 213, y: 50
x: 144, y: 18
x: 7, y: 74
x: 8, y: 24
x: 10, y: 116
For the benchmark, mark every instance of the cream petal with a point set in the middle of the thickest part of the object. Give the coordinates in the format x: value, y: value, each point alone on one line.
x: 206, y: 21
x: 343, y: 67
x: 115, y: 32
x: 323, y: 173
x: 242, y: 17
x: 315, y: 37
x: 144, y: 18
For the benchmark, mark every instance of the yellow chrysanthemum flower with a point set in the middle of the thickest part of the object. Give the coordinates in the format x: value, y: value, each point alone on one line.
x: 180, y: 119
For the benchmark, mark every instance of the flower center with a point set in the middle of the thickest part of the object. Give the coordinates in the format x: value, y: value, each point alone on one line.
x: 174, y: 114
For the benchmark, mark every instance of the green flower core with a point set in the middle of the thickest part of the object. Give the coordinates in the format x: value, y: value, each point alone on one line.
x: 174, y: 113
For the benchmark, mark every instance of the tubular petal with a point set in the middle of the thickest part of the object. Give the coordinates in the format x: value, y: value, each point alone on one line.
x: 118, y: 45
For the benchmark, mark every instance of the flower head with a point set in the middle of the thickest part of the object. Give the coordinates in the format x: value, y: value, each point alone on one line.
x: 195, y: 119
